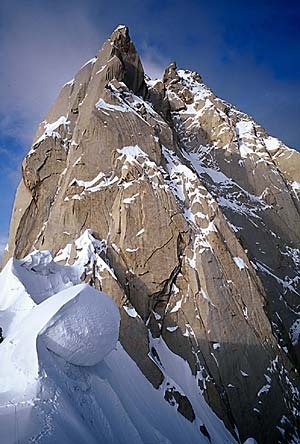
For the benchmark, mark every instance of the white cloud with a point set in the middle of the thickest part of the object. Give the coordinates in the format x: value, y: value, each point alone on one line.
x: 40, y: 50
x: 153, y: 61
x: 152, y: 69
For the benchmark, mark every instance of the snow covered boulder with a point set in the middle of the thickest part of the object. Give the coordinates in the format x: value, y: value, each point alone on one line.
x: 85, y: 329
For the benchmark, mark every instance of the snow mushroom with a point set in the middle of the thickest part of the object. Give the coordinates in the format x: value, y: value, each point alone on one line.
x: 85, y: 329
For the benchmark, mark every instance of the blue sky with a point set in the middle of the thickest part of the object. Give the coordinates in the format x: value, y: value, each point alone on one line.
x: 246, y: 51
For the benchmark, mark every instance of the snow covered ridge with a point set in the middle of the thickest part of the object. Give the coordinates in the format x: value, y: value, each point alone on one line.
x: 88, y: 256
x: 203, y: 106
x: 74, y: 320
x: 62, y: 367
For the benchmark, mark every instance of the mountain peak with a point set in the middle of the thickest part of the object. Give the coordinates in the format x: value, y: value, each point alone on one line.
x: 119, y: 49
x: 121, y: 28
x: 121, y: 34
x: 186, y: 212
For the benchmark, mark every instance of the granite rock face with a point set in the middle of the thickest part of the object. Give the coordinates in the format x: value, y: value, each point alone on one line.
x: 198, y: 212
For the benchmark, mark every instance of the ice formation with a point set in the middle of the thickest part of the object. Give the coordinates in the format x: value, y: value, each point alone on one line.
x: 85, y: 329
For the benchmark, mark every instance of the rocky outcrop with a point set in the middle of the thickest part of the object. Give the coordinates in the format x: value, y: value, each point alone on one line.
x: 197, y: 209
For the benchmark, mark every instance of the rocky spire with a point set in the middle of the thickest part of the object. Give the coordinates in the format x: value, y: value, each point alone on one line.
x: 198, y: 209
x: 120, y: 49
x: 170, y: 73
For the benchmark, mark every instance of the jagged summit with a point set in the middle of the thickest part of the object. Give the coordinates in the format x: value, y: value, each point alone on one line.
x: 121, y: 27
x: 186, y: 212
x: 124, y: 62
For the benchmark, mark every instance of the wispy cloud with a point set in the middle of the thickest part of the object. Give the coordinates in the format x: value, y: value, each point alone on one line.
x: 153, y: 67
x: 153, y: 60
x: 41, y: 48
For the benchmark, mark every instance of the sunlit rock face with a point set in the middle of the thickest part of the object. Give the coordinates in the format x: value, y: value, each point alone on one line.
x: 193, y: 218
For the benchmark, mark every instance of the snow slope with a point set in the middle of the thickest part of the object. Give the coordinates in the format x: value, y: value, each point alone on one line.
x: 64, y: 378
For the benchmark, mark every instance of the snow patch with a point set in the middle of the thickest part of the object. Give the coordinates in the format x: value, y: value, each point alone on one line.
x: 296, y: 188
x: 177, y: 306
x: 177, y: 374
x: 171, y: 329
x: 272, y: 144
x: 92, y: 186
x: 245, y: 132
x: 91, y: 61
x: 244, y: 128
x: 102, y: 105
x: 239, y: 262
x: 64, y: 254
x: 129, y: 200
x: 294, y: 331
x: 131, y: 152
x: 70, y: 82
x: 120, y: 27
x: 131, y: 311
x: 50, y: 131
x: 264, y: 389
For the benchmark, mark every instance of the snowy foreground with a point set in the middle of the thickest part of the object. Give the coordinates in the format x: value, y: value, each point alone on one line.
x: 65, y: 378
